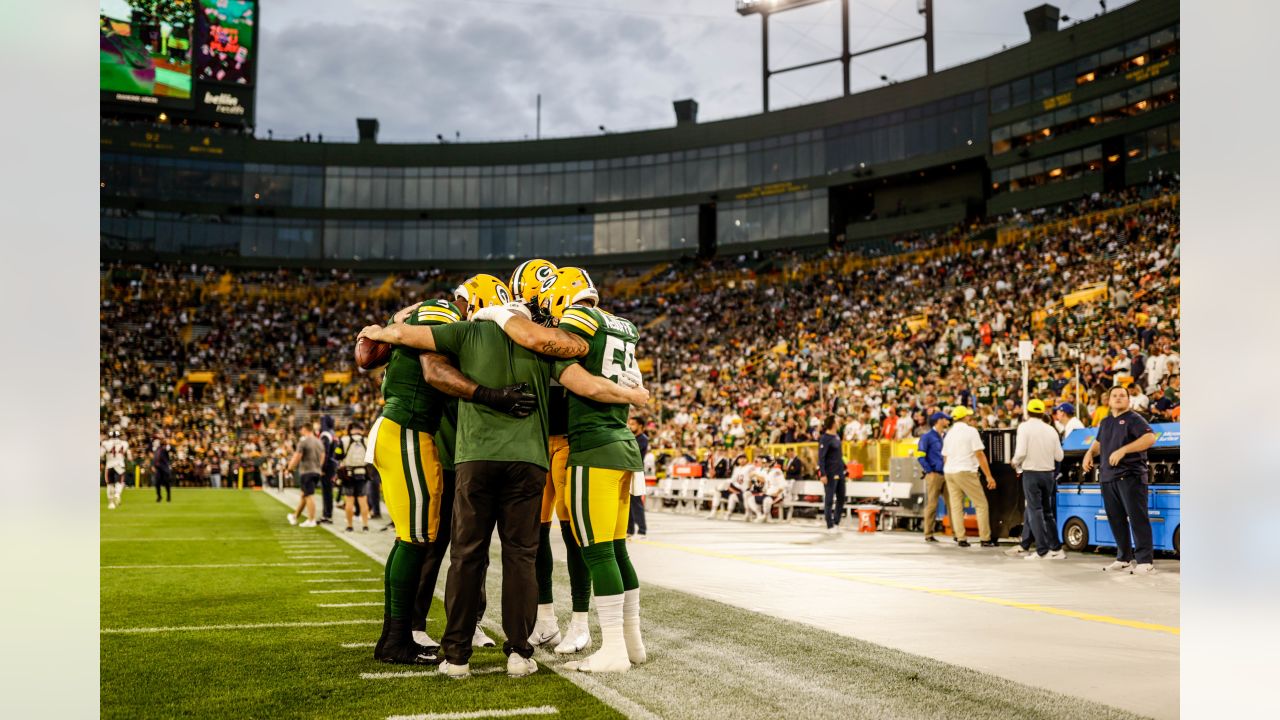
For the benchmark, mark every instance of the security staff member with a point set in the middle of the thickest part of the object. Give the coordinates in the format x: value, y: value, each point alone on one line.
x: 929, y: 455
x: 162, y: 470
x: 831, y: 472
x: 1123, y: 439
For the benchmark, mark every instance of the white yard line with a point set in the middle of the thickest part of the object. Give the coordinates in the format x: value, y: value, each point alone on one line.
x: 190, y: 539
x: 347, y: 590
x: 327, y: 572
x: 227, y: 565
x: 250, y: 626
x: 337, y: 580
x: 469, y: 715
x: 355, y: 604
x: 360, y: 645
x: 425, y: 673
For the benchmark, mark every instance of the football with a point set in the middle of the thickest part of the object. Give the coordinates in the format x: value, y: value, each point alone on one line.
x: 371, y: 354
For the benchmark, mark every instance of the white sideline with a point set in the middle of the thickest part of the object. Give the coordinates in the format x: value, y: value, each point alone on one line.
x: 251, y: 626
x: 228, y: 565
x: 362, y: 604
x: 468, y: 715
x: 590, y: 685
x: 188, y: 539
x: 346, y: 590
x: 360, y: 645
x: 314, y: 557
x: 333, y: 580
x: 321, y: 572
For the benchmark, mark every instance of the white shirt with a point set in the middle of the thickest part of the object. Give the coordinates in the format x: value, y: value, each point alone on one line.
x: 1073, y: 423
x: 958, y: 448
x: 775, y: 482
x: 1037, y: 446
x: 741, y: 476
x: 115, y: 450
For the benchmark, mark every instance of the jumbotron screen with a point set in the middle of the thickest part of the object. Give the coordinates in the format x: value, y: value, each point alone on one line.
x: 145, y: 51
x: 192, y: 55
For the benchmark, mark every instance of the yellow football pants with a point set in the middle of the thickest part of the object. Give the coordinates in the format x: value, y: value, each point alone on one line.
x: 412, y: 479
x: 600, y: 502
x: 553, y: 496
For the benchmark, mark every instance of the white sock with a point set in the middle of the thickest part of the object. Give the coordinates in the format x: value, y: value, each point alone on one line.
x: 609, y: 612
x: 579, y: 620
x: 631, y: 626
x: 547, y: 613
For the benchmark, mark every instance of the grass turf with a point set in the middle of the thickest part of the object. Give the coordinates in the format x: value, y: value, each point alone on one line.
x: 265, y: 672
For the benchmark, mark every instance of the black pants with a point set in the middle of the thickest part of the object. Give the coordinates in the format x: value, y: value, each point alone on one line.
x: 1040, y: 519
x: 635, y: 521
x: 165, y: 478
x: 326, y: 492
x: 435, y: 557
x: 833, y: 500
x: 1125, y: 500
x: 508, y: 495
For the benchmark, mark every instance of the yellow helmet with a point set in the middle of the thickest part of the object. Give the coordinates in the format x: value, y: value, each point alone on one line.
x: 568, y: 286
x: 526, y: 280
x: 480, y: 291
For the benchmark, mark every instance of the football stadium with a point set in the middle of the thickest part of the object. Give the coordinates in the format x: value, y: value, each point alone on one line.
x: 860, y: 408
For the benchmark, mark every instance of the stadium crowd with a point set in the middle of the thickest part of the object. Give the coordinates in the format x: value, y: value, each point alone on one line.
x: 747, y: 350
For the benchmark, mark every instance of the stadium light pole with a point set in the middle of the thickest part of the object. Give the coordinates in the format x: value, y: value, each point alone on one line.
x: 765, y: 8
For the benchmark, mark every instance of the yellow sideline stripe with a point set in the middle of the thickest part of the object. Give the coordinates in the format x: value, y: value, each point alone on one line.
x: 1034, y: 607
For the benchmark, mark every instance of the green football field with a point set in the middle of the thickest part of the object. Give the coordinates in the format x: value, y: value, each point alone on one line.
x: 212, y: 607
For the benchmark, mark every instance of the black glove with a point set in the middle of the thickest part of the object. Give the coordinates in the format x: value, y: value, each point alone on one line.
x: 514, y: 400
x: 537, y: 315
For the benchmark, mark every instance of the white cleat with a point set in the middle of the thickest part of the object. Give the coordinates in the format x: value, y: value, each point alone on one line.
x: 455, y: 672
x: 1058, y: 554
x: 479, y: 639
x: 519, y: 667
x: 1118, y: 566
x: 111, y: 506
x: 544, y: 634
x: 600, y: 662
x: 1143, y: 569
x: 576, y: 639
x: 1016, y: 551
x: 293, y: 519
x: 422, y: 638
x: 308, y: 524
x: 1032, y: 556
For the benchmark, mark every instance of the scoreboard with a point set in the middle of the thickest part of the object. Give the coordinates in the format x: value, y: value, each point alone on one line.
x: 193, y: 59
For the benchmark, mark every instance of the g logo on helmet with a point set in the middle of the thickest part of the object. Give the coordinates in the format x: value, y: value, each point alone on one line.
x: 502, y: 294
x: 550, y: 280
x: 544, y: 273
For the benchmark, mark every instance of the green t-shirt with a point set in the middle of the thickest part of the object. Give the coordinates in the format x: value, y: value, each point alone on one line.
x: 447, y: 436
x: 598, y: 434
x: 487, y: 356
x: 411, y: 402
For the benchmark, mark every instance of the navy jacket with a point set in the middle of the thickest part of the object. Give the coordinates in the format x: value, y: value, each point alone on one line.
x: 830, y: 456
x: 931, y: 446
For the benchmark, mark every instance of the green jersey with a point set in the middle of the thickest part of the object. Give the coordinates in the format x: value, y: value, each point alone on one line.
x: 488, y: 357
x: 410, y: 401
x: 598, y: 433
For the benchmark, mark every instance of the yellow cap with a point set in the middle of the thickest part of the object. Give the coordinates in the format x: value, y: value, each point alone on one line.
x: 1035, y: 405
x: 958, y: 412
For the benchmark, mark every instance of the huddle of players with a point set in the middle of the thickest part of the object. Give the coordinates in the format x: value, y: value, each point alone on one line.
x: 757, y: 485
x: 512, y: 397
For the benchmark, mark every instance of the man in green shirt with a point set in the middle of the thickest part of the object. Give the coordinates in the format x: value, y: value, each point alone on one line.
x: 603, y: 453
x: 402, y: 446
x: 501, y: 472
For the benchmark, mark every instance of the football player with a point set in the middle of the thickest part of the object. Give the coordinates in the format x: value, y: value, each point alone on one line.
x: 526, y: 286
x: 731, y: 488
x: 775, y: 489
x: 115, y: 452
x: 753, y: 493
x: 603, y: 453
x: 502, y: 468
x: 402, y: 446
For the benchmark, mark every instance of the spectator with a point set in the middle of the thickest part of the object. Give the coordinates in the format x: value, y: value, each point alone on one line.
x: 831, y: 471
x: 1123, y: 439
x: 1137, y: 399
x: 636, y: 523
x: 929, y: 456
x: 794, y: 467
x: 1065, y: 420
x: 963, y: 454
x: 308, y: 459
x: 1038, y: 450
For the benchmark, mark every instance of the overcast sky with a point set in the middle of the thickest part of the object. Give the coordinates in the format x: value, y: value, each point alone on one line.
x: 424, y: 67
